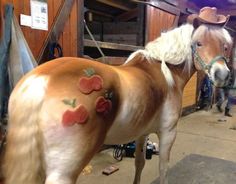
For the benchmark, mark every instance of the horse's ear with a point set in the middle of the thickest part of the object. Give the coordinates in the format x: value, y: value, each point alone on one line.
x: 196, y: 23
x: 193, y: 19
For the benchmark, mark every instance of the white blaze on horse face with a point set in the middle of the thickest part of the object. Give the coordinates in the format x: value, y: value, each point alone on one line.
x: 219, y: 74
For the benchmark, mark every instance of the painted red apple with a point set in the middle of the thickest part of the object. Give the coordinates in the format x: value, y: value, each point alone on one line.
x: 90, y: 84
x: 103, y: 105
x: 79, y: 116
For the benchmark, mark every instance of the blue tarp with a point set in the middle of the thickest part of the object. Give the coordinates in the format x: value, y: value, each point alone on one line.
x: 4, y: 57
x: 16, y: 59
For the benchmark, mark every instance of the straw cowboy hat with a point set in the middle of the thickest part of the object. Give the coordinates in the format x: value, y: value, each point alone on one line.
x: 208, y: 15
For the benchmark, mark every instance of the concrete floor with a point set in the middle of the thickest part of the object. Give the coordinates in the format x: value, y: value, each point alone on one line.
x: 198, y: 133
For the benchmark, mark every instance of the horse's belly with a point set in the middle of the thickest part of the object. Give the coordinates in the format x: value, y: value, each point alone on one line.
x: 130, y: 125
x: 121, y: 135
x: 122, y: 132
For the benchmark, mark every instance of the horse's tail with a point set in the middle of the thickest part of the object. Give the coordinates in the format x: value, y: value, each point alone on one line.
x: 23, y: 162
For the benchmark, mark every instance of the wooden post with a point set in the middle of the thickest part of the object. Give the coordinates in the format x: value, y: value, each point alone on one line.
x: 80, y: 28
x: 140, y: 39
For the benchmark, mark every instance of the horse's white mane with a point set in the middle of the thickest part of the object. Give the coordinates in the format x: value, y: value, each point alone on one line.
x: 174, y: 47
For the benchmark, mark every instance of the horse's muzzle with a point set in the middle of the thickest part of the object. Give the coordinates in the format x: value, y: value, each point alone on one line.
x: 221, y: 78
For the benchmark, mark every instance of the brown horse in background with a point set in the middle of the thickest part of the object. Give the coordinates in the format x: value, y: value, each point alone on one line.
x: 64, y: 110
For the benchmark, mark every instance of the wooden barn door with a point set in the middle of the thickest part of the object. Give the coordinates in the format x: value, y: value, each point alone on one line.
x: 157, y: 21
x: 162, y: 17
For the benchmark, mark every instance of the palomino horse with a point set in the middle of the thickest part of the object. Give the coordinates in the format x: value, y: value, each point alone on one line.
x: 64, y: 110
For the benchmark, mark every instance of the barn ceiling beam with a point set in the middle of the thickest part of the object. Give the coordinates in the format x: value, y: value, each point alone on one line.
x: 100, y: 13
x: 161, y: 5
x: 185, y: 6
x: 227, y: 12
x: 116, y: 4
x: 128, y: 15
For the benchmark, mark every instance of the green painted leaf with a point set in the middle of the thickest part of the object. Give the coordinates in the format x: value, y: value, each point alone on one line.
x: 89, y: 72
x: 67, y: 102
x: 74, y: 103
x: 110, y: 95
x: 71, y: 103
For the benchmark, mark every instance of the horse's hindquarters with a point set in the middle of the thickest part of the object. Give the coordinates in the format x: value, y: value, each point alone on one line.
x: 58, y: 118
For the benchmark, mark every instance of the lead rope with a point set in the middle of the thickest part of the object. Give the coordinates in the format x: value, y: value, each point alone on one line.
x: 202, y: 63
x: 95, y: 42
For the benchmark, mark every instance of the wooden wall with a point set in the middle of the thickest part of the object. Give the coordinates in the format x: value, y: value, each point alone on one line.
x: 36, y: 38
x: 157, y: 21
x: 189, y: 95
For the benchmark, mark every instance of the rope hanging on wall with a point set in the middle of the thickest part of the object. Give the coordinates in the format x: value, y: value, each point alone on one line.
x: 95, y: 42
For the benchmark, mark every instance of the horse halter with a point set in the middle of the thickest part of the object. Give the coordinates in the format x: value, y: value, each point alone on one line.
x: 203, y: 64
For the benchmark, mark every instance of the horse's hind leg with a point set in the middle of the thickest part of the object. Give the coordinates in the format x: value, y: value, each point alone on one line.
x: 167, y: 138
x: 68, y: 150
x: 140, y: 153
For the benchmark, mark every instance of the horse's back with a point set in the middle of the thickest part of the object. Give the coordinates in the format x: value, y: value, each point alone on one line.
x: 67, y: 85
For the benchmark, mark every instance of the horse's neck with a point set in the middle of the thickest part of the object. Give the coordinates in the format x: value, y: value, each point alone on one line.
x: 181, y: 75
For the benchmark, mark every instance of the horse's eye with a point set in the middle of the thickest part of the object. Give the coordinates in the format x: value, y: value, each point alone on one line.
x: 225, y: 48
x: 199, y: 44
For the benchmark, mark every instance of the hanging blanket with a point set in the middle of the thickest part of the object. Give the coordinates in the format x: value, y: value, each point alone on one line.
x: 21, y: 58
x: 4, y: 57
x: 16, y: 59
